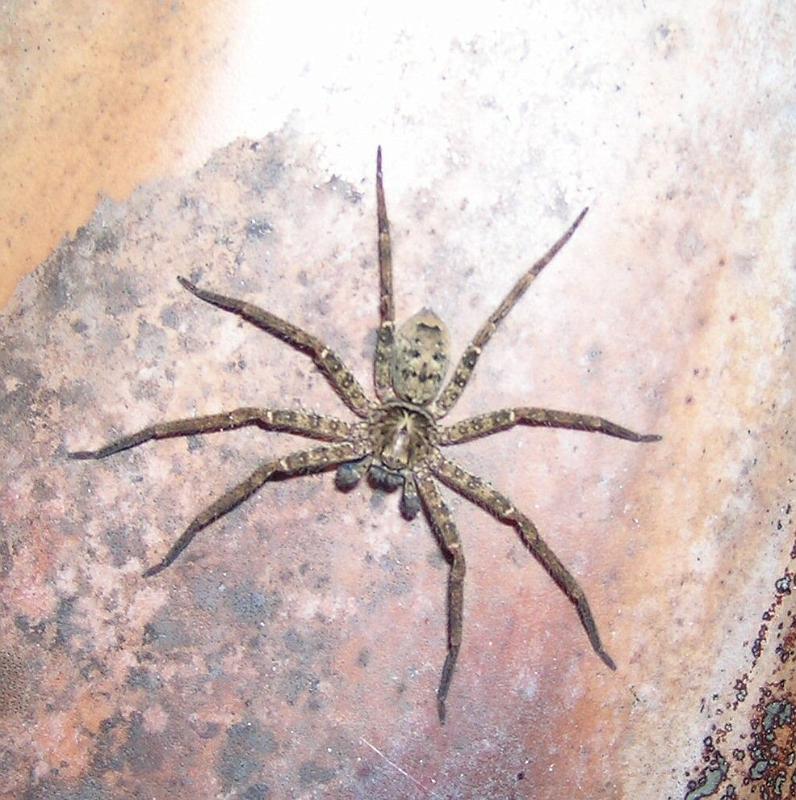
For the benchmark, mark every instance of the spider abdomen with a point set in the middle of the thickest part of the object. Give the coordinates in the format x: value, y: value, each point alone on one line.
x: 420, y: 357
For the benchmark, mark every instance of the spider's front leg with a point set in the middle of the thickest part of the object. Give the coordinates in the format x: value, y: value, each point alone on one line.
x: 480, y: 492
x: 314, y: 426
x: 496, y: 421
x: 441, y: 521
x: 305, y: 462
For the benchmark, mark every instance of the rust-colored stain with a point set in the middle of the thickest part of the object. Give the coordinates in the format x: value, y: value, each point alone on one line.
x: 750, y: 747
x: 96, y: 98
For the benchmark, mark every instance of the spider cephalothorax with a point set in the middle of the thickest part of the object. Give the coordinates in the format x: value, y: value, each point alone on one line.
x: 397, y: 442
x: 402, y: 437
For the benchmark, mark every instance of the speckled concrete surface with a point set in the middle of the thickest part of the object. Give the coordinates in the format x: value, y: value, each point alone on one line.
x: 294, y: 650
x: 302, y: 636
x: 96, y: 98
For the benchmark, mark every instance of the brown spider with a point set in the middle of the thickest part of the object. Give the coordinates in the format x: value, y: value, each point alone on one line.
x: 397, y: 443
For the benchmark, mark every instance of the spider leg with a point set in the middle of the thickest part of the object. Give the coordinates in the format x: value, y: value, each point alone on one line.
x: 328, y: 362
x: 480, y: 492
x: 464, y: 369
x: 386, y: 335
x: 315, y: 460
x: 314, y: 426
x: 496, y: 421
x: 441, y: 521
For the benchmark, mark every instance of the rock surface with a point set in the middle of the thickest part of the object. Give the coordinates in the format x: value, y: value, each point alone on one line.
x: 293, y: 651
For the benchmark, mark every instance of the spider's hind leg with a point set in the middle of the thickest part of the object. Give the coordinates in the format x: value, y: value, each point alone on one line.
x: 339, y: 376
x: 385, y: 338
x: 464, y: 369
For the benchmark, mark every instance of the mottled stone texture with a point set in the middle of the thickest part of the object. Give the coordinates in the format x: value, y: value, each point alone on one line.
x: 294, y: 649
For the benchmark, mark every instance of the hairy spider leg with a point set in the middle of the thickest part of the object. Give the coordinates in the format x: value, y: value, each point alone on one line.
x: 441, y: 522
x: 480, y: 492
x: 305, y: 462
x: 313, y: 426
x: 328, y: 362
x: 464, y: 369
x: 496, y: 421
x: 385, y: 338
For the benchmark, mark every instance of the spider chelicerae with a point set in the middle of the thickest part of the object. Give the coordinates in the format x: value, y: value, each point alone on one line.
x: 397, y: 442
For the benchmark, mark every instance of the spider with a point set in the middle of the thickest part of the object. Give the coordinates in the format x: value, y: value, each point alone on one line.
x: 398, y: 439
